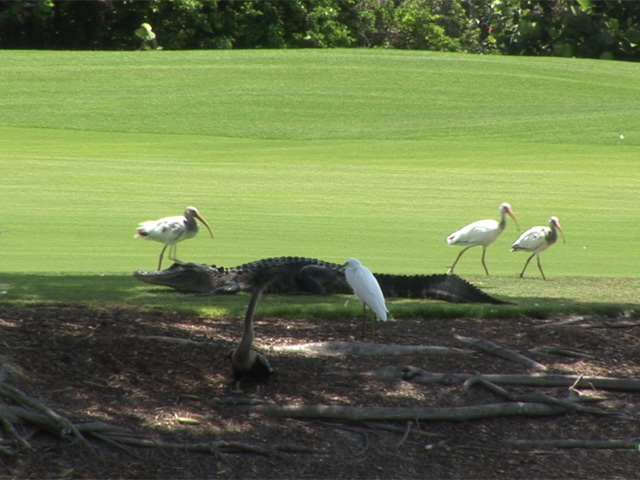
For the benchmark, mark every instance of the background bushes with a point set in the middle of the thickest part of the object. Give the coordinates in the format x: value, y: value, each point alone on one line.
x: 608, y: 29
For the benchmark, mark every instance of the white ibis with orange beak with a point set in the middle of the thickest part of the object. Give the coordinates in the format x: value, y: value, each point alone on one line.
x: 482, y: 233
x: 171, y: 230
x: 538, y: 239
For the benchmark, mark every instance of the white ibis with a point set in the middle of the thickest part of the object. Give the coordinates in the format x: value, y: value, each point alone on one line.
x: 483, y: 233
x: 246, y: 362
x: 538, y: 239
x: 367, y: 290
x: 171, y: 230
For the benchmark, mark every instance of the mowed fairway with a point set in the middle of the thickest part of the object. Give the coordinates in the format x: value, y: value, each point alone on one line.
x: 332, y: 154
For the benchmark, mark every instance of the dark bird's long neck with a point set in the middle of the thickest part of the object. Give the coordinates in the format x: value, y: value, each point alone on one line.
x: 242, y: 354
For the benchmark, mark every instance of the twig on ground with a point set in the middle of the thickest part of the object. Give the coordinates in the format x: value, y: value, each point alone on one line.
x: 179, y: 341
x: 533, y: 397
x: 456, y: 414
x: 418, y: 375
x: 578, y: 443
x: 406, y: 435
x: 562, y: 351
x: 330, y: 349
x: 500, y: 351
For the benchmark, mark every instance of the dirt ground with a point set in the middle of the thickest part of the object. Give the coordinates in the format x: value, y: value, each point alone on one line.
x: 117, y: 366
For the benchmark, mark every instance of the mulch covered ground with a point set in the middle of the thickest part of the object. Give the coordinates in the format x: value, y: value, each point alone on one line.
x: 162, y: 378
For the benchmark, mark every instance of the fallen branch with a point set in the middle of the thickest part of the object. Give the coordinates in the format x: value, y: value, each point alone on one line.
x: 500, y: 351
x: 395, y: 428
x: 419, y: 375
x: 565, y: 322
x: 179, y: 341
x: 532, y: 397
x: 406, y: 434
x: 331, y: 349
x: 120, y: 437
x: 574, y: 443
x: 32, y: 412
x: 591, y: 322
x: 451, y: 414
x: 563, y: 351
x: 616, y: 324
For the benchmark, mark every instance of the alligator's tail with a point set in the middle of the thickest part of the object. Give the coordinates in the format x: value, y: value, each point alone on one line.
x: 447, y: 287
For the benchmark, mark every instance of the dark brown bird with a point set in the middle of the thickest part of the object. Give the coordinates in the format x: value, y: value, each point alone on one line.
x: 245, y: 361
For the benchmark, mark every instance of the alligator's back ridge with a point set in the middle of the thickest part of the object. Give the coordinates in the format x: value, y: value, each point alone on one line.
x: 447, y: 287
x: 303, y: 275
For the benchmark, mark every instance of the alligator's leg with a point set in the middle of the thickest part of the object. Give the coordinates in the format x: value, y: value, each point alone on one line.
x: 228, y: 289
x: 315, y: 279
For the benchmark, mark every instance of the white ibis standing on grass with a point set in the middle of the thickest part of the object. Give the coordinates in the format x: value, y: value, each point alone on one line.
x: 538, y: 239
x: 171, y: 230
x: 366, y: 289
x: 483, y: 233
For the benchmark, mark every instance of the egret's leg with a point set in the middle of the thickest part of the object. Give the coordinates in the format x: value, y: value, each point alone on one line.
x: 374, y: 319
x: 364, y: 322
x: 525, y: 265
x: 540, y: 268
x: 484, y: 250
x: 458, y: 258
x: 161, y: 255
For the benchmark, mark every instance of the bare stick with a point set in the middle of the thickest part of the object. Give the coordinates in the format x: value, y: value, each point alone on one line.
x: 64, y: 426
x: 456, y: 414
x: 405, y: 436
x: 419, y: 375
x: 179, y: 341
x: 563, y: 351
x: 500, y: 351
x: 330, y: 349
x: 533, y: 397
x: 575, y: 443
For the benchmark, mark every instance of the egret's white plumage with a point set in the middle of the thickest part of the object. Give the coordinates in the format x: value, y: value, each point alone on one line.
x: 171, y: 230
x: 481, y: 233
x: 538, y: 239
x: 367, y: 290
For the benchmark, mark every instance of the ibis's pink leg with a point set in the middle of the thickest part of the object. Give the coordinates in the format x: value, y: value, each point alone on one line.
x: 161, y: 255
x: 458, y: 258
x: 540, y: 267
x: 172, y: 252
x: 484, y: 250
x: 527, y: 263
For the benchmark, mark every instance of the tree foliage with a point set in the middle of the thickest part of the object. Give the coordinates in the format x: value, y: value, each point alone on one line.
x: 608, y: 29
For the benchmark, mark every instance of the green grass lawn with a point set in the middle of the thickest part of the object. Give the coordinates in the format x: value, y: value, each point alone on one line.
x: 324, y: 153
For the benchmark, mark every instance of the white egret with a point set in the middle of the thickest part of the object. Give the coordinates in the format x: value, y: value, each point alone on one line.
x: 367, y: 290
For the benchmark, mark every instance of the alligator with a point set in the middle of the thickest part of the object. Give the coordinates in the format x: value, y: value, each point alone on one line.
x: 299, y: 275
